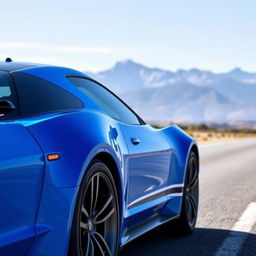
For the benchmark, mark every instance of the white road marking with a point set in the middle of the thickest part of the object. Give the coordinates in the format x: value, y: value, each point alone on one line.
x: 233, y: 243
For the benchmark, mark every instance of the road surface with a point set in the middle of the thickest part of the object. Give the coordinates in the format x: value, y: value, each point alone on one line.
x: 227, y: 212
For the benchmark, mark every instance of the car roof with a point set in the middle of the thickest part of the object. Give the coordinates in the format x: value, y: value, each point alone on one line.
x: 14, y: 66
x: 19, y: 66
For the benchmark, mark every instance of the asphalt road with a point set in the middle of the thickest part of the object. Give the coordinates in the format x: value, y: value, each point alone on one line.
x: 227, y: 188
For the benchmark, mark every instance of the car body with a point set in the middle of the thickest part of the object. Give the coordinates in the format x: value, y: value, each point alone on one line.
x: 51, y: 130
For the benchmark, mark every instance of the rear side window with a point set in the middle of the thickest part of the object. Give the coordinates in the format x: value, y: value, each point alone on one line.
x: 39, y: 96
x: 7, y: 91
x: 114, y: 107
x: 5, y: 86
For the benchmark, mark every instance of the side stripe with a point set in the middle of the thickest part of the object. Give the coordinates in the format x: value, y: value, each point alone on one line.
x: 176, y: 189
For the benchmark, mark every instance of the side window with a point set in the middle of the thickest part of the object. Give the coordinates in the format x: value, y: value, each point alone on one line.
x: 7, y: 92
x: 39, y: 96
x: 106, y: 100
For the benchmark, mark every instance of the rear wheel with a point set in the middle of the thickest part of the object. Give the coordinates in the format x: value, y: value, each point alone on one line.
x: 185, y: 224
x: 96, y: 219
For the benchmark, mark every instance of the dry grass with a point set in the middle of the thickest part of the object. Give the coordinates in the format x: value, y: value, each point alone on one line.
x: 217, y: 136
x: 206, y: 134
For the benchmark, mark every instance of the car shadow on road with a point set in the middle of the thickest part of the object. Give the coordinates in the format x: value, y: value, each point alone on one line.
x: 203, y: 242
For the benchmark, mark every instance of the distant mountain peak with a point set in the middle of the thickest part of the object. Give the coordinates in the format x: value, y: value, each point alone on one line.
x: 241, y: 75
x: 127, y: 63
x: 240, y: 71
x: 195, y: 70
x: 237, y: 70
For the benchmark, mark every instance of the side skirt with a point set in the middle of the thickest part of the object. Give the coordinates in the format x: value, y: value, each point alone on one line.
x: 145, y: 227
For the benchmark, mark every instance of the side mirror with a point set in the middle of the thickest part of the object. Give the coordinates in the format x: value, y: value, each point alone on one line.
x: 6, y: 107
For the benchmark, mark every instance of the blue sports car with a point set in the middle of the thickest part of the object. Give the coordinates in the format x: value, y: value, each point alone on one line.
x: 80, y: 172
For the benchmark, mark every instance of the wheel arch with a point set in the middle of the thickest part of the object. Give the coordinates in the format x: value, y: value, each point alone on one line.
x: 106, y: 155
x: 110, y: 162
x: 194, y: 149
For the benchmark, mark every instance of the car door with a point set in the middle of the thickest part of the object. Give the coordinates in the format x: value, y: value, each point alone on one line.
x: 148, y: 165
x: 21, y: 176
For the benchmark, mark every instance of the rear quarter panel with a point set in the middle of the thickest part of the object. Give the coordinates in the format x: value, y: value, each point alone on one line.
x: 181, y: 144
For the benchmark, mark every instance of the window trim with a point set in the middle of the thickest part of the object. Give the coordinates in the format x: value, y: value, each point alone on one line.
x: 141, y: 121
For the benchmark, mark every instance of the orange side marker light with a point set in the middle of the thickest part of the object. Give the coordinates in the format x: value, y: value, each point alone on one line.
x: 52, y: 157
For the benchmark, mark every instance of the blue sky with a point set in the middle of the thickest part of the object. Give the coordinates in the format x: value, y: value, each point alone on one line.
x: 92, y: 35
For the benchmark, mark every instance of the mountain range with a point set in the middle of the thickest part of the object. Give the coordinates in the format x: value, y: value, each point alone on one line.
x: 193, y: 95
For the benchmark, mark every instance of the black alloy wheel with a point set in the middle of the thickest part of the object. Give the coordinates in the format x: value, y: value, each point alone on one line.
x: 185, y: 223
x: 96, y: 221
x: 191, y: 193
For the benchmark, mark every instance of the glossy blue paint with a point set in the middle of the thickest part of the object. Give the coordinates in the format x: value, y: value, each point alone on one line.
x: 67, y: 134
x: 148, y: 165
x: 146, y: 159
x: 21, y: 177
x: 56, y: 211
x: 37, y: 196
x: 181, y: 143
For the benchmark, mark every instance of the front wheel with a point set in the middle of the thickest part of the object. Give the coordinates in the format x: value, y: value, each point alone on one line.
x: 96, y: 218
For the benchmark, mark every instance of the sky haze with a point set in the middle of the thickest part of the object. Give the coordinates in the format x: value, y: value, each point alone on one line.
x: 92, y: 35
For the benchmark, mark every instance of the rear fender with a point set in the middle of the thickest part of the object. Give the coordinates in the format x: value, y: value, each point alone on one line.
x: 181, y: 144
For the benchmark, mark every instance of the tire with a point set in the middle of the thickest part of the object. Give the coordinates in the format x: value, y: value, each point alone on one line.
x: 185, y: 224
x: 95, y: 228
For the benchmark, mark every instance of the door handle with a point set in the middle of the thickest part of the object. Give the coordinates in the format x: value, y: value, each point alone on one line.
x: 135, y: 141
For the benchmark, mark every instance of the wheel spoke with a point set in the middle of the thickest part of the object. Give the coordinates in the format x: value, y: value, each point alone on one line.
x: 194, y: 182
x: 85, y: 212
x: 193, y: 204
x: 83, y: 225
x: 100, y: 217
x: 103, y: 219
x: 94, y: 193
x: 91, y: 250
x: 192, y: 174
x: 189, y: 210
x: 191, y: 171
x: 86, y: 251
x: 101, y: 244
x: 194, y: 179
